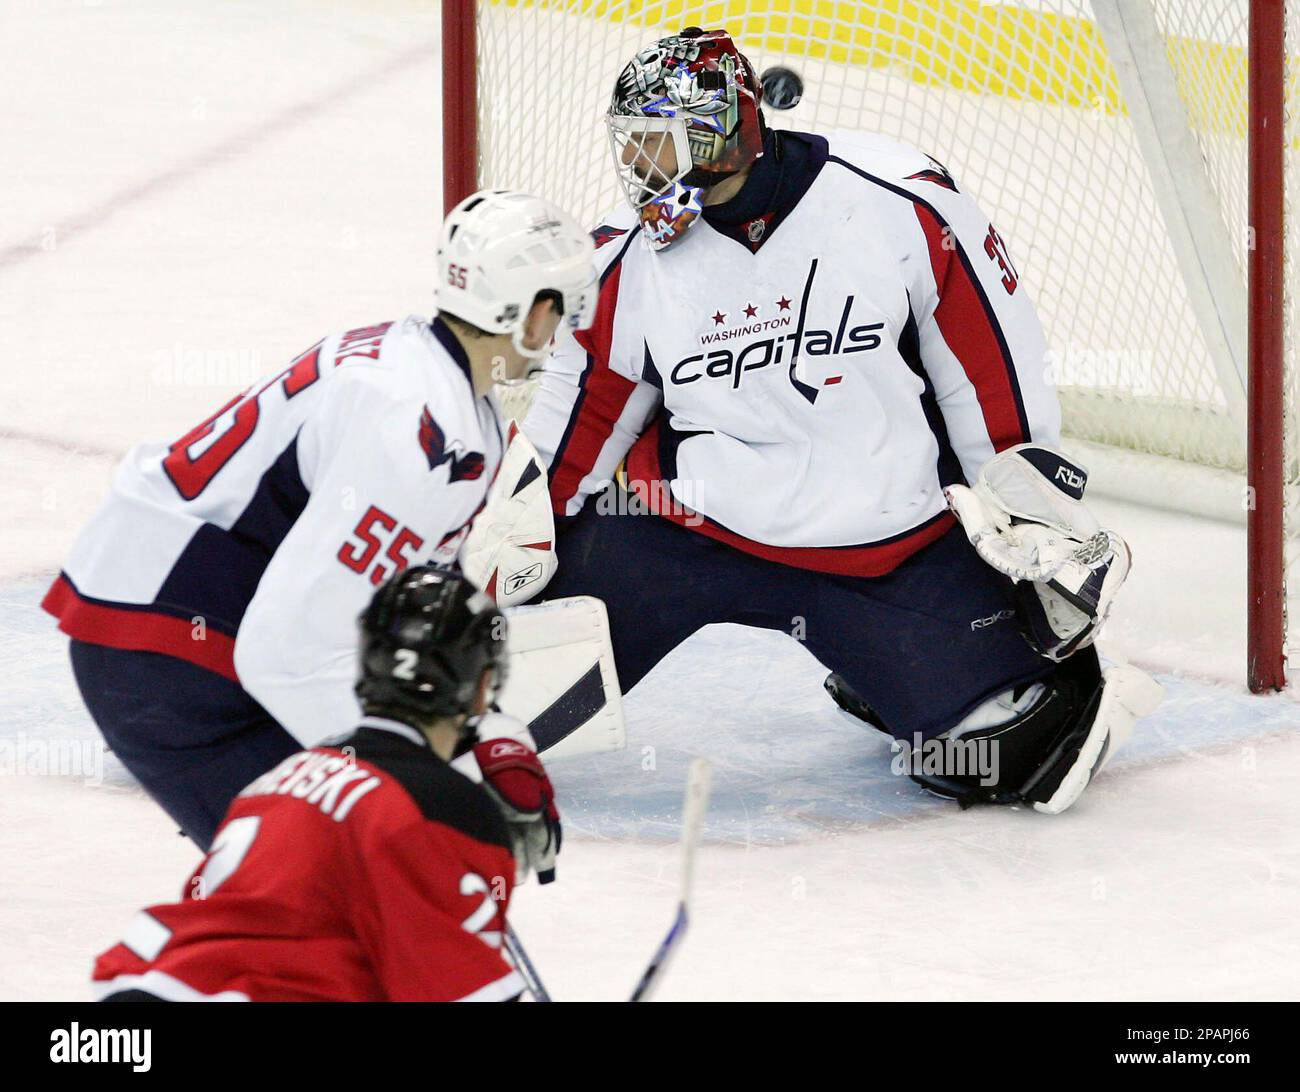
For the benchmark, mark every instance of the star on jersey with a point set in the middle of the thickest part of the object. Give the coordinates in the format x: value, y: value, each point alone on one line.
x: 750, y: 310
x: 783, y: 303
x: 719, y: 318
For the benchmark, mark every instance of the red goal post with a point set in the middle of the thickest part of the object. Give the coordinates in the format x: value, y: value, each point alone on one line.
x: 1267, y: 395
x: 1167, y: 125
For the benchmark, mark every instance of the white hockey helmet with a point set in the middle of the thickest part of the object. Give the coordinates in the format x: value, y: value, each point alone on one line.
x: 499, y: 249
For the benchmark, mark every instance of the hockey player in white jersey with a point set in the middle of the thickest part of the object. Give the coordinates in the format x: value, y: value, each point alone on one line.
x: 811, y: 357
x: 212, y: 600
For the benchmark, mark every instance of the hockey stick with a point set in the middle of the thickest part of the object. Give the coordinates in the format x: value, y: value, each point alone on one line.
x: 698, y: 783
x: 524, y: 966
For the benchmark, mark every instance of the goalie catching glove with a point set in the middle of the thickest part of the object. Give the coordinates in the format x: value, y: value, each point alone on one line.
x: 509, y: 551
x: 1025, y: 517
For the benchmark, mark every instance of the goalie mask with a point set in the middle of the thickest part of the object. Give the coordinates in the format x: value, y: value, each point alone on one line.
x: 684, y: 117
x: 499, y: 250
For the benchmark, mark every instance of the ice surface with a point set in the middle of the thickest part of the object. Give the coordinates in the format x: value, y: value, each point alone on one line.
x: 201, y: 191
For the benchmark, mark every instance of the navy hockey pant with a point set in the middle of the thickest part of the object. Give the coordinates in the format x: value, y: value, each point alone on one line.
x: 922, y: 645
x: 191, y: 737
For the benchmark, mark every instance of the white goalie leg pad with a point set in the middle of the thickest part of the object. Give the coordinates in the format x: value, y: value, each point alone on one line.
x: 561, y: 681
x: 1127, y: 694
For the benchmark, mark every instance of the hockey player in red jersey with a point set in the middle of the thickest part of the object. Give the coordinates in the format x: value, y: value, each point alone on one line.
x: 368, y: 868
x: 211, y: 598
x: 821, y: 391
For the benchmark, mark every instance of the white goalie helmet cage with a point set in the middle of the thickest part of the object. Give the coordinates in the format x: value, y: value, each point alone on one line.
x: 499, y: 249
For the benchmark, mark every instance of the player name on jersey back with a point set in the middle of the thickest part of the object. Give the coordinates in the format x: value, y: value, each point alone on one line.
x: 333, y: 783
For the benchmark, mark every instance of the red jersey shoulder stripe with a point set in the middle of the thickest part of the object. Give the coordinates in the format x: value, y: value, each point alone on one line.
x: 602, y: 395
x: 967, y: 321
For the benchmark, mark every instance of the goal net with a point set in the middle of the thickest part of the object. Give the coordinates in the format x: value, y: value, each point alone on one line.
x: 1107, y: 140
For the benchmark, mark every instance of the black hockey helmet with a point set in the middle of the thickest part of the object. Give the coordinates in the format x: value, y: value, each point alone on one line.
x: 426, y: 639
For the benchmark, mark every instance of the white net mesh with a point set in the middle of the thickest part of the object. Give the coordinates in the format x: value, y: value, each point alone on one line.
x: 1021, y: 101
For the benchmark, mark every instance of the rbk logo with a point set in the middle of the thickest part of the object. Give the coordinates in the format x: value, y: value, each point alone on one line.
x: 1071, y: 477
x: 466, y: 467
x: 992, y: 619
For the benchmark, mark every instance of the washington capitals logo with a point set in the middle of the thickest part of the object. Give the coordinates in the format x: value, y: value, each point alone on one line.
x: 465, y: 467
x: 938, y: 174
x: 603, y: 234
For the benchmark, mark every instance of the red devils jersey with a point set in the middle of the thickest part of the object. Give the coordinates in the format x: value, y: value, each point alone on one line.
x: 367, y: 870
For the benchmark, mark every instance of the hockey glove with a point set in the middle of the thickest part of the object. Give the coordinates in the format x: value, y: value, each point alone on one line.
x: 1025, y: 517
x: 509, y: 551
x: 515, y: 776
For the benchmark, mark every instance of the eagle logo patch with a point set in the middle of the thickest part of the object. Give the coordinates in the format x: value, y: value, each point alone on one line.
x: 463, y: 466
x: 938, y: 174
x: 604, y: 234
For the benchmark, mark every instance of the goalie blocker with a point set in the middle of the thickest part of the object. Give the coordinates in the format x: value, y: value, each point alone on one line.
x: 561, y: 683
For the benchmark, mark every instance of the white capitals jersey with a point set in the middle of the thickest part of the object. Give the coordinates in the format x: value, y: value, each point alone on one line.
x: 801, y: 384
x: 250, y: 545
